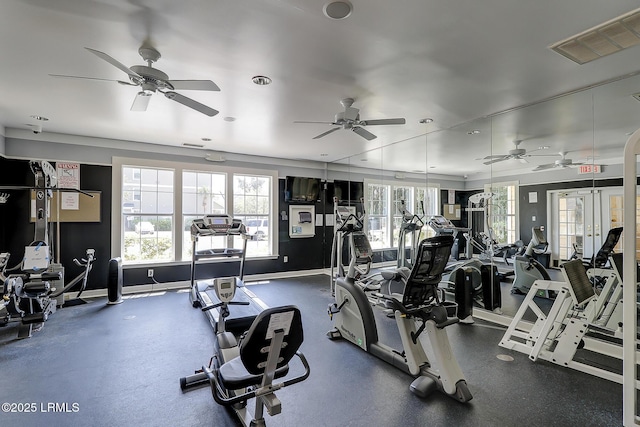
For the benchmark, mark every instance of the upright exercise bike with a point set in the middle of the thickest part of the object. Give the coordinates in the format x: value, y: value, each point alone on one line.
x: 245, y: 367
x: 421, y: 319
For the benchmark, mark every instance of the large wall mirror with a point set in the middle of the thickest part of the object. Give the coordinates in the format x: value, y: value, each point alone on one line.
x: 554, y: 165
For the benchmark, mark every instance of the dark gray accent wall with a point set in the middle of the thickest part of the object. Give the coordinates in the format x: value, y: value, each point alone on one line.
x: 17, y: 231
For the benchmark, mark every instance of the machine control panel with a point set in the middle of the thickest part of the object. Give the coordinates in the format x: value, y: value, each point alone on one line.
x: 225, y: 288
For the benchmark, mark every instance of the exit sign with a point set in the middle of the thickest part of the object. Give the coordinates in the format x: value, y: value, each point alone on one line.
x: 582, y: 169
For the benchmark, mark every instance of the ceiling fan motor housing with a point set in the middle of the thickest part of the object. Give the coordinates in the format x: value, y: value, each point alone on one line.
x: 152, y: 78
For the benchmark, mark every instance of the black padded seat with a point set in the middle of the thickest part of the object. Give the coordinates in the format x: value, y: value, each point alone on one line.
x: 249, y: 367
x: 235, y: 376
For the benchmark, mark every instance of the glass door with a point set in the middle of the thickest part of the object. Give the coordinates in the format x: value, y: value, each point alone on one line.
x: 575, y: 225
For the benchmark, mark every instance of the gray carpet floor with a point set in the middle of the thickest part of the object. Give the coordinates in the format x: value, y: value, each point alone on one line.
x: 120, y: 366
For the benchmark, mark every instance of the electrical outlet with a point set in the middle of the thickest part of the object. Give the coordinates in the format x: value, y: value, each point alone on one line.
x: 150, y: 272
x: 285, y: 259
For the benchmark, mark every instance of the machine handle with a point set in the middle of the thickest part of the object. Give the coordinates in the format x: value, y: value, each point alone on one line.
x: 212, y: 306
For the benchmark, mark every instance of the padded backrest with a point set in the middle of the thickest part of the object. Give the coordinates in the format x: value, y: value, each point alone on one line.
x: 581, y: 286
x: 602, y: 256
x: 254, y: 345
x: 616, y: 262
x: 431, y: 260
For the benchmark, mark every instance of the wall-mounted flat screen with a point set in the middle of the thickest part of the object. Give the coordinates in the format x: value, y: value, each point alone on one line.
x: 348, y: 191
x: 299, y: 189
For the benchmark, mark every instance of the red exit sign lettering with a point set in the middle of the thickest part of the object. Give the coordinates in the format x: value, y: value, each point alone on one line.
x: 582, y: 169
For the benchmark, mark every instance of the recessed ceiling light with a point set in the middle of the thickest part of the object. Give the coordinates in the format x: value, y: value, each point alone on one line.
x: 188, y: 144
x: 432, y: 167
x: 363, y: 160
x: 427, y: 120
x: 543, y: 147
x: 261, y: 80
x: 473, y: 132
x: 323, y: 154
x: 229, y: 119
x: 34, y: 116
x: 338, y: 9
x: 206, y: 139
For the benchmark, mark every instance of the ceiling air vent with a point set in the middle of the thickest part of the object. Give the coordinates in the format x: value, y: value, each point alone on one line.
x: 602, y: 40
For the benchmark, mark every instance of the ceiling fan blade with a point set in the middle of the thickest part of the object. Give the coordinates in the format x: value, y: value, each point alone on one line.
x: 174, y: 96
x: 496, y: 156
x: 194, y: 85
x: 141, y: 101
x: 323, y: 123
x: 522, y: 160
x: 496, y: 160
x: 545, y: 167
x: 113, y: 62
x: 363, y: 133
x: 62, y: 76
x: 398, y: 121
x: 325, y: 133
x: 351, y: 113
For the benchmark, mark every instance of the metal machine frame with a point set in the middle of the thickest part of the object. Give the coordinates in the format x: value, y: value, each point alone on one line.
x: 577, y: 320
x: 32, y: 294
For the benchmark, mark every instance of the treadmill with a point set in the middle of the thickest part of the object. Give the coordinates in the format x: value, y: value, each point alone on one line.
x: 203, y: 294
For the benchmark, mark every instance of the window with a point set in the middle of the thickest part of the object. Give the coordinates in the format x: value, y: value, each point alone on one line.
x: 159, y: 200
x: 202, y: 193
x: 377, y: 212
x: 400, y: 194
x: 503, y: 211
x: 252, y: 203
x: 383, y: 204
x: 147, y: 214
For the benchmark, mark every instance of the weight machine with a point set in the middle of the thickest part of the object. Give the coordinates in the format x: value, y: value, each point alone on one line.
x: 33, y: 289
x: 579, y: 320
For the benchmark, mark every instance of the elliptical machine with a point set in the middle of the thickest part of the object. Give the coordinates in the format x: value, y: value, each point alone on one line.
x: 245, y: 367
x: 527, y: 269
x: 411, y: 227
x: 421, y: 319
x: 349, y: 227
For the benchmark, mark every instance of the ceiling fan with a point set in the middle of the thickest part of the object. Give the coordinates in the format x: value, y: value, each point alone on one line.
x: 350, y: 119
x: 516, y: 154
x: 153, y: 80
x: 562, y: 162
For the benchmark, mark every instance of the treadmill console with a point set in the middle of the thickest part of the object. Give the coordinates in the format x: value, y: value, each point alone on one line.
x: 218, y: 222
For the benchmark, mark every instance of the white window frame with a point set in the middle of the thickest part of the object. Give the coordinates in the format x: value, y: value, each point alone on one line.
x: 391, y: 209
x: 516, y: 214
x: 117, y: 241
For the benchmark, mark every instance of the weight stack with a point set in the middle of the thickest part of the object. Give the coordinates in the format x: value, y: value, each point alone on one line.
x: 491, y: 293
x: 464, y: 294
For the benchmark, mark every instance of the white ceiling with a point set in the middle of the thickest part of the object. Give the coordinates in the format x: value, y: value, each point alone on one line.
x: 456, y: 62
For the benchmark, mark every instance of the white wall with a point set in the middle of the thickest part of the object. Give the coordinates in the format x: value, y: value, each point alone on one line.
x: 23, y: 144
